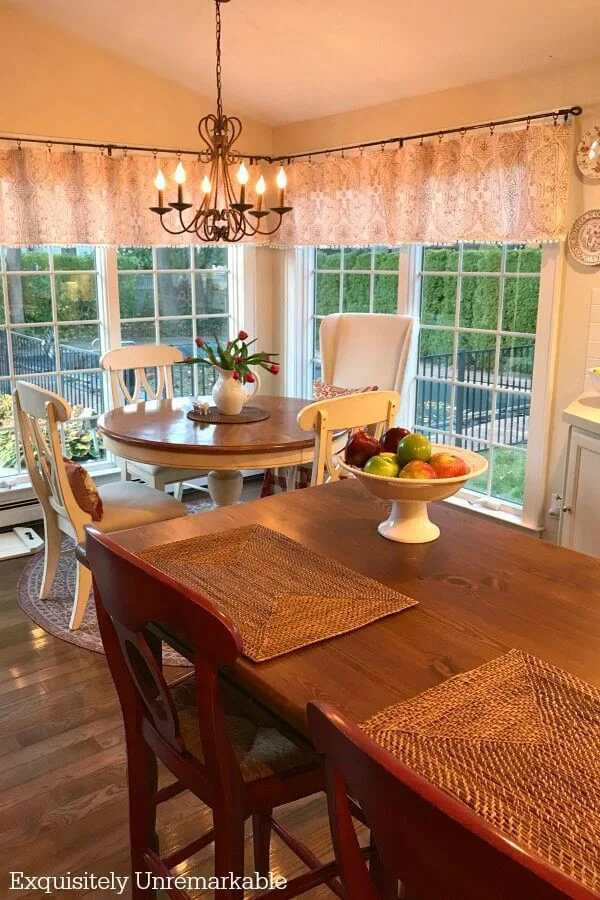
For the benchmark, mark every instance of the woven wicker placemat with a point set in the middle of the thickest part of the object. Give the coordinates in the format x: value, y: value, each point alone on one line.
x: 517, y: 740
x: 215, y: 417
x: 279, y: 594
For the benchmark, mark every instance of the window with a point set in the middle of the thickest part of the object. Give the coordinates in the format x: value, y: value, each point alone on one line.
x: 478, y: 308
x: 61, y: 308
x: 50, y: 335
x: 350, y: 279
x: 171, y: 295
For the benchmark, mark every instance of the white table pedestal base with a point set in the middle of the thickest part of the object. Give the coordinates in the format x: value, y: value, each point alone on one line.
x: 409, y: 523
x: 225, y: 487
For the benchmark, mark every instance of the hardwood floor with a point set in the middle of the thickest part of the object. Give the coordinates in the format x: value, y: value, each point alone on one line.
x: 62, y: 767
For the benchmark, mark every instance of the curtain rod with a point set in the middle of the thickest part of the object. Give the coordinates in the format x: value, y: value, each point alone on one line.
x: 111, y: 146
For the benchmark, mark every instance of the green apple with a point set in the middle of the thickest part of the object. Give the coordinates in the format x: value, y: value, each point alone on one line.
x: 385, y: 464
x: 413, y: 446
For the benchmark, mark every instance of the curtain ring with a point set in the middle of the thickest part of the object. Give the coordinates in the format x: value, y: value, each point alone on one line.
x: 555, y: 117
x: 421, y: 141
x: 124, y: 152
x: 400, y: 143
x: 463, y: 131
x: 343, y: 154
x: 382, y: 146
x: 492, y: 126
x: 310, y: 159
x: 49, y: 146
x: 440, y: 136
x: 19, y: 144
x: 102, y: 148
x: 362, y: 149
x: 528, y: 122
x: 179, y: 155
x: 328, y: 153
x: 73, y: 151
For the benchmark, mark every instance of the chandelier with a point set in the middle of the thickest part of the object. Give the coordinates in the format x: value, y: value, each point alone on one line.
x: 223, y: 214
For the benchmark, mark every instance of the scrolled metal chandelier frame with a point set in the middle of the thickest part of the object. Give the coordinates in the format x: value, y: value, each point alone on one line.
x: 223, y: 215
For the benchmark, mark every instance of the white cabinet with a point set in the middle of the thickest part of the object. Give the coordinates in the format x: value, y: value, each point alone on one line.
x: 580, y: 518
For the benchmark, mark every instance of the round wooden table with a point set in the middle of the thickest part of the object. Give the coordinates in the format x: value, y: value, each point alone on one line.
x: 159, y: 433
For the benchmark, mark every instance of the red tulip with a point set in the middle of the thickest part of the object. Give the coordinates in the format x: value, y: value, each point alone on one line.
x: 239, y: 360
x: 242, y: 335
x: 250, y: 378
x: 199, y: 342
x: 236, y: 375
x: 274, y: 369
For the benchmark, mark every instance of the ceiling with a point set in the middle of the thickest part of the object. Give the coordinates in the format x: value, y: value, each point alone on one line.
x: 289, y: 60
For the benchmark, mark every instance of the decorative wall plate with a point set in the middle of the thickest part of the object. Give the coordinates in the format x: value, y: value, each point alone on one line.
x: 588, y: 153
x: 584, y: 238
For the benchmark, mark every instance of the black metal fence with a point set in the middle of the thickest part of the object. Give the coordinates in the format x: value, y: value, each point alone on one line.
x: 472, y: 399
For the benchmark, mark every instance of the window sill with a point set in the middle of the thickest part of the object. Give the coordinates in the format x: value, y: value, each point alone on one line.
x: 502, y: 516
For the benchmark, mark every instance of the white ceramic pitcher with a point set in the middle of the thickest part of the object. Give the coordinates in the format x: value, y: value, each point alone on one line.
x: 229, y: 394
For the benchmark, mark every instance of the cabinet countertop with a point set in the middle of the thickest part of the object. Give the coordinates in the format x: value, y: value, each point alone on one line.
x: 584, y: 412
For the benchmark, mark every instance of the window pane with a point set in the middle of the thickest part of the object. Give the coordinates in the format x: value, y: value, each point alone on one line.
x: 30, y: 259
x: 473, y: 412
x: 6, y: 404
x: 136, y: 296
x: 177, y: 333
x: 438, y: 299
x: 210, y: 329
x: 433, y: 405
x: 29, y: 298
x: 8, y: 453
x: 2, y: 311
x: 476, y: 358
x: 317, y: 371
x: 357, y: 258
x: 387, y: 258
x: 79, y: 346
x: 317, y: 337
x: 512, y: 418
x: 328, y: 294
x: 81, y: 438
x: 440, y: 259
x: 524, y: 259
x: 76, y: 297
x: 508, y: 474
x: 33, y: 350
x: 83, y: 390
x: 73, y: 258
x: 482, y: 258
x: 515, y: 365
x: 436, y: 352
x: 138, y: 333
x: 385, y: 294
x: 134, y: 258
x: 357, y: 292
x: 212, y: 292
x: 519, y: 309
x: 183, y: 380
x: 329, y: 259
x: 210, y: 257
x: 48, y: 382
x: 479, y: 301
x: 480, y: 484
x: 4, y: 367
x: 173, y: 258
x: 174, y: 295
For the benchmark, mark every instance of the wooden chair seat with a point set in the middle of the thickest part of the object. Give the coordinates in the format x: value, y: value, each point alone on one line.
x: 260, y: 748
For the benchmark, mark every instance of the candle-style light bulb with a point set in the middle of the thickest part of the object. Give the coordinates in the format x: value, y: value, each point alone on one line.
x: 242, y: 176
x: 206, y: 188
x: 281, y: 181
x: 261, y: 186
x: 180, y: 177
x: 159, y: 184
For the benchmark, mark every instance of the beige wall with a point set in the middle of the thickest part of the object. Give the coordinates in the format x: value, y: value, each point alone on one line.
x: 55, y: 85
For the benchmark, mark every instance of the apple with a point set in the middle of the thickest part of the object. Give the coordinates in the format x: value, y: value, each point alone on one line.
x: 361, y: 447
x: 417, y: 468
x: 413, y: 446
x: 447, y: 465
x: 392, y: 438
x: 385, y: 465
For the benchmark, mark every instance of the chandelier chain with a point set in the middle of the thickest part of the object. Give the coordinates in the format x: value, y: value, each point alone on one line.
x: 218, y: 68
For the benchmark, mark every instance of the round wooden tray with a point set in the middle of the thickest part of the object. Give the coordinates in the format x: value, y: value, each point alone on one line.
x: 215, y: 417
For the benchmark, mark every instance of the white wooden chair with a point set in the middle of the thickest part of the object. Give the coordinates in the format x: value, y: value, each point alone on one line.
x: 137, y: 360
x: 376, y: 410
x: 125, y: 505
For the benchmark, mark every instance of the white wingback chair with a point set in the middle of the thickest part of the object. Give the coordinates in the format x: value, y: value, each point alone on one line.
x: 363, y: 349
x: 125, y: 505
x: 138, y: 359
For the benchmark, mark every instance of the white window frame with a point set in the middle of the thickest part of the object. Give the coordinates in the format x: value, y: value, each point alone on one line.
x: 301, y: 321
x: 242, y: 300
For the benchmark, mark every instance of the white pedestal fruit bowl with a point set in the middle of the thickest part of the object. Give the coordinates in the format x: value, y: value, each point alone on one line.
x: 409, y: 522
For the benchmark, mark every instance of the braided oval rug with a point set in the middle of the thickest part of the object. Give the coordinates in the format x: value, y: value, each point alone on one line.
x: 518, y: 741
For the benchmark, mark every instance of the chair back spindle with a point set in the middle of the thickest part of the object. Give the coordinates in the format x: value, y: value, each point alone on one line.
x: 128, y: 369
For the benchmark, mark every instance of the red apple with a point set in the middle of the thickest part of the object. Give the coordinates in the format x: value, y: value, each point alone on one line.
x: 447, y: 465
x: 417, y: 468
x: 392, y: 438
x: 361, y: 447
